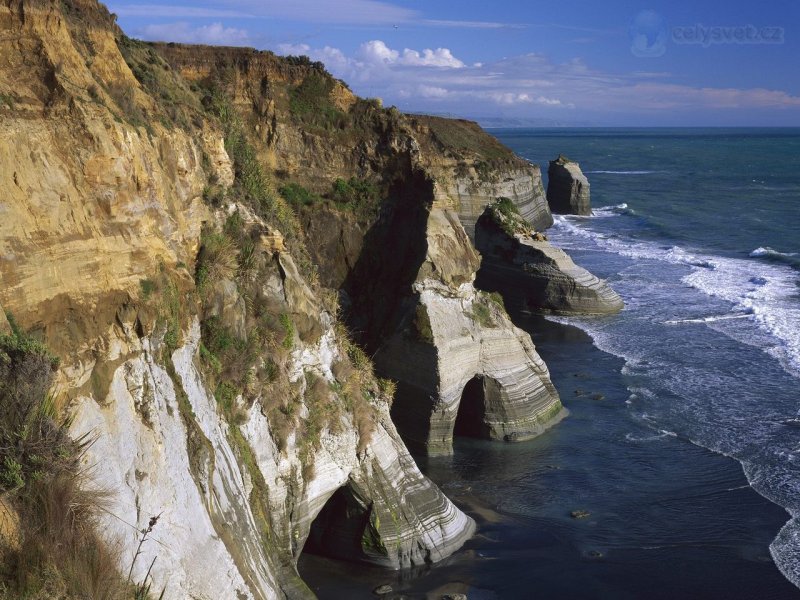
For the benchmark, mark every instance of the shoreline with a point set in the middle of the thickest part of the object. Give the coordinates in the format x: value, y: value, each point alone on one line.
x: 691, y: 510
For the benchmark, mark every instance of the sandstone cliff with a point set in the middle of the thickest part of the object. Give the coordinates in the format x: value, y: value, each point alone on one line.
x: 407, y: 253
x: 223, y: 395
x: 567, y: 188
x: 199, y: 234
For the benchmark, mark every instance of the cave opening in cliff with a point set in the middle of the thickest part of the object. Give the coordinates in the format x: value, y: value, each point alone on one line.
x: 471, y: 417
x: 337, y: 530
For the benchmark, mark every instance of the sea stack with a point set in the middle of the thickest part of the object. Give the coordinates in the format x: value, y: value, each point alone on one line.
x: 567, y: 188
x: 532, y: 274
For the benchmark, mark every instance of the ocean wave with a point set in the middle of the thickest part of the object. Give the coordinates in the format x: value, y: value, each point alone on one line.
x: 762, y: 292
x: 711, y: 318
x: 661, y: 435
x: 611, y: 211
x: 765, y: 252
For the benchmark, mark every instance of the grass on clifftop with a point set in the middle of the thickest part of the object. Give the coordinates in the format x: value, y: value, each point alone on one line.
x: 505, y: 215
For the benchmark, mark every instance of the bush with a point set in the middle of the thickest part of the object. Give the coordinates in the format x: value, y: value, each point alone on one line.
x: 59, y: 553
x: 356, y: 195
x: 217, y: 260
x: 298, y: 196
x: 310, y: 102
x: 506, y: 215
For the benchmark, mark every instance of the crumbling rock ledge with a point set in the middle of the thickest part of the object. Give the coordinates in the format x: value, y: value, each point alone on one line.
x: 535, y: 276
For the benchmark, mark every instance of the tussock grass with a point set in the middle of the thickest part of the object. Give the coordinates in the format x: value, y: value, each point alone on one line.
x: 57, y: 552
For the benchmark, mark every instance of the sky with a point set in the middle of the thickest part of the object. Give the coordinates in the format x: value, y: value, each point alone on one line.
x: 579, y: 63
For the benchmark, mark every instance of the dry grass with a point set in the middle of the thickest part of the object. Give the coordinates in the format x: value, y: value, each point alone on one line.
x: 57, y: 552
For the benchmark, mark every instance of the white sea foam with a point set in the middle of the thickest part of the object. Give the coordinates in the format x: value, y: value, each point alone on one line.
x: 766, y: 293
x: 731, y: 410
x: 767, y: 251
x: 662, y: 434
x: 610, y: 211
x: 711, y: 318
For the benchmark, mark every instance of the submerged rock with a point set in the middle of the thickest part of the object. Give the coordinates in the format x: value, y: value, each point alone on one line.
x: 567, y: 188
x: 534, y: 275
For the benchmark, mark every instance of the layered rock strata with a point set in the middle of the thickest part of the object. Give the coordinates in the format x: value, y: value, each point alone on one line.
x: 567, y: 188
x: 101, y: 224
x: 533, y: 275
x: 449, y: 334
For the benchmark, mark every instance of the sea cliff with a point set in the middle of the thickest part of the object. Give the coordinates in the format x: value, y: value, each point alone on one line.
x: 217, y: 243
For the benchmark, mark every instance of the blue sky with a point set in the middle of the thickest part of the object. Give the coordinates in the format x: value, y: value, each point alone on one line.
x: 618, y: 62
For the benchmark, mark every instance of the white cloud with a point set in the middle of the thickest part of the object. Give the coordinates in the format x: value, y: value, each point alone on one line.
x: 215, y: 34
x: 526, y: 85
x: 376, y: 52
x: 432, y: 91
x: 441, y: 57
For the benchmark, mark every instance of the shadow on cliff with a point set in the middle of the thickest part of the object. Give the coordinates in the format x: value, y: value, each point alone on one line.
x: 379, y: 295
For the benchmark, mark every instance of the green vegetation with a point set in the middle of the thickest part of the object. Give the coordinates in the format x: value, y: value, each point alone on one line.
x: 497, y: 299
x: 298, y: 196
x: 359, y: 196
x: 482, y: 311
x: 216, y: 261
x: 310, y: 102
x: 506, y: 215
x: 55, y: 552
x: 7, y: 100
x: 467, y: 138
x: 177, y: 104
x: 148, y: 286
x: 422, y: 324
x: 252, y: 187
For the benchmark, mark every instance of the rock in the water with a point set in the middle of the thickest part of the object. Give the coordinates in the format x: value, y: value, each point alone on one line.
x: 534, y: 275
x: 382, y: 590
x: 579, y: 514
x: 567, y: 188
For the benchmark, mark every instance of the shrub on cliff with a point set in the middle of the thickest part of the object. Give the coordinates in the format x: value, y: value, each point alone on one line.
x: 506, y: 216
x: 54, y: 550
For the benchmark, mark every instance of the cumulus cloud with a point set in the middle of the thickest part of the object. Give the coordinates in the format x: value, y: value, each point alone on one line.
x: 377, y: 52
x: 529, y: 84
x: 215, y: 34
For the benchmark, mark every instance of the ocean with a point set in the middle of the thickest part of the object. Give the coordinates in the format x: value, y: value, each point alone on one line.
x: 683, y: 442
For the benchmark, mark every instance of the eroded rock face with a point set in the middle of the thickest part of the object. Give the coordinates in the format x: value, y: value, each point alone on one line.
x: 567, y: 188
x: 523, y: 186
x: 534, y: 275
x: 95, y: 208
x: 162, y: 457
x: 451, y: 334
